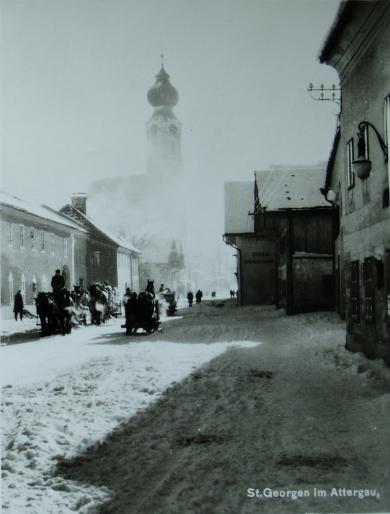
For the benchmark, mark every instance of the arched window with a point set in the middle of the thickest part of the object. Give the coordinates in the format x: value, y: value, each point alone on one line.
x: 32, y: 238
x: 34, y: 285
x: 10, y: 234
x: 23, y: 287
x: 21, y: 235
x: 11, y: 288
x: 44, y: 283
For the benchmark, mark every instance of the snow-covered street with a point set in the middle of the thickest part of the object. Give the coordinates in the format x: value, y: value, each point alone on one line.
x: 62, y: 394
x: 192, y: 427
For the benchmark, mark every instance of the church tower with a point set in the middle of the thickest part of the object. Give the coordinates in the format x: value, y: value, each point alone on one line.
x: 163, y: 129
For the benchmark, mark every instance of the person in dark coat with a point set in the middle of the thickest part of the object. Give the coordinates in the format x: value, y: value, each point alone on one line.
x: 190, y: 298
x: 57, y: 281
x: 198, y: 296
x: 131, y: 308
x: 18, y: 305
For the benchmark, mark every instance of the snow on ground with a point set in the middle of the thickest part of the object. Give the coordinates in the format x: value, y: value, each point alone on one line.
x: 63, y: 393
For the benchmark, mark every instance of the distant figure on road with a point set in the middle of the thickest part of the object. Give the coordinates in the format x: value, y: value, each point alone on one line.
x: 213, y: 294
x: 232, y: 293
x: 18, y: 305
x: 57, y: 281
x: 190, y: 298
x: 198, y: 296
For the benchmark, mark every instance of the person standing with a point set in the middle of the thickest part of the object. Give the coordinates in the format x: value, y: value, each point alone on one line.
x: 198, y: 296
x: 57, y: 281
x: 18, y: 305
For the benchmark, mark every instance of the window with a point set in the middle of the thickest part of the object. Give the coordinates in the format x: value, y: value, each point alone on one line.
x: 355, y: 296
x: 95, y: 259
x: 386, y: 121
x: 387, y: 142
x: 10, y: 234
x: 43, y: 241
x: 386, y: 273
x: 368, y: 290
x: 350, y: 158
x: 11, y: 288
x: 65, y: 247
x: 32, y: 238
x: 34, y: 284
x: 23, y: 287
x: 21, y: 235
x: 362, y: 144
x: 44, y: 283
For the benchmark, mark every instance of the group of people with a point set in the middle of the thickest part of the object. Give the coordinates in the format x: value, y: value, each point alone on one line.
x: 58, y: 284
x: 233, y: 293
x: 198, y: 297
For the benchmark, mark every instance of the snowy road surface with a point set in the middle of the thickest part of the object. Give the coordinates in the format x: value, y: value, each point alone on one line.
x: 295, y: 424
x: 61, y: 394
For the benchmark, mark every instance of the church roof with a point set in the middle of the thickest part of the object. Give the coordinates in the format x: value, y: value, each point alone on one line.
x: 163, y: 93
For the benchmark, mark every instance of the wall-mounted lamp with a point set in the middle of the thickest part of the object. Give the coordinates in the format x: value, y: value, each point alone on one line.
x: 362, y: 166
x: 329, y: 194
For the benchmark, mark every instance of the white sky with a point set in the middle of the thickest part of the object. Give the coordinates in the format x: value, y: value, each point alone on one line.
x: 76, y: 72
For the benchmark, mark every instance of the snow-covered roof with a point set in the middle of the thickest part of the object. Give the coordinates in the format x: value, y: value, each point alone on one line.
x: 115, y: 239
x: 239, y: 201
x: 41, y: 211
x: 292, y: 188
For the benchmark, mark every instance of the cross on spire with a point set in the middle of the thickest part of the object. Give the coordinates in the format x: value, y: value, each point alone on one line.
x: 162, y: 60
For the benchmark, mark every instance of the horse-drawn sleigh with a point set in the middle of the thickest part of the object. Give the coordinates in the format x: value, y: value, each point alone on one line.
x: 142, y: 312
x: 59, y: 310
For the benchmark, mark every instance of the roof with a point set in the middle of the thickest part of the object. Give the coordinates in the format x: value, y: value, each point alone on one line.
x: 336, y: 28
x: 353, y: 20
x: 332, y: 158
x: 41, y: 211
x: 292, y: 188
x: 239, y: 201
x: 89, y: 222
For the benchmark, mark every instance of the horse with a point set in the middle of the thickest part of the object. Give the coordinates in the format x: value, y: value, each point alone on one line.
x: 142, y: 312
x: 46, y: 312
x: 81, y: 300
x: 98, y: 304
x: 150, y: 288
x: 54, y: 312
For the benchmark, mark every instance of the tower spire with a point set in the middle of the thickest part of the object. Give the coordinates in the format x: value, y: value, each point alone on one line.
x: 162, y: 60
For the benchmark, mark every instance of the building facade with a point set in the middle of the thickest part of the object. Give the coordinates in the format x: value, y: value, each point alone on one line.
x: 282, y: 228
x: 109, y: 257
x: 357, y: 178
x: 292, y: 212
x: 256, y: 256
x: 35, y: 241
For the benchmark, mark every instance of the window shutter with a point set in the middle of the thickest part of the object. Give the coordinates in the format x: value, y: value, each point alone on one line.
x: 355, y: 315
x: 368, y: 290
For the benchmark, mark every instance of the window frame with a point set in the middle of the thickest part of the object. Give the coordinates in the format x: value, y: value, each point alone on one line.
x: 10, y: 234
x: 350, y: 159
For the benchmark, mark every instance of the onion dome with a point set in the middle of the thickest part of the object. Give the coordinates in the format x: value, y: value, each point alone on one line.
x: 163, y: 93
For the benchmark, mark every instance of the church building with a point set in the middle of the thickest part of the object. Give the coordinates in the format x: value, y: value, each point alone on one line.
x: 149, y: 208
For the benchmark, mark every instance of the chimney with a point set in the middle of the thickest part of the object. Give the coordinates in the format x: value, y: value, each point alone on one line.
x: 79, y: 202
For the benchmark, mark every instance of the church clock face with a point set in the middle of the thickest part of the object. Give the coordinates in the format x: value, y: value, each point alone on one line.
x: 173, y: 130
